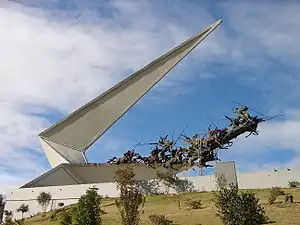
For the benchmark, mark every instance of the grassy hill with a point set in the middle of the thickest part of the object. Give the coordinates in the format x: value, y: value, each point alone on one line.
x: 280, y: 213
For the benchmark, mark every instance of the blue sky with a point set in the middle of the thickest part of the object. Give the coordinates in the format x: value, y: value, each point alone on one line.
x: 57, y: 55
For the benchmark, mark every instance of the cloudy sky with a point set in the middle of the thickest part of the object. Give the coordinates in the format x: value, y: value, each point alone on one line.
x: 56, y: 55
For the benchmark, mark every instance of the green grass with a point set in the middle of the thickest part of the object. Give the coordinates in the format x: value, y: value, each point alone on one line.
x: 283, y: 214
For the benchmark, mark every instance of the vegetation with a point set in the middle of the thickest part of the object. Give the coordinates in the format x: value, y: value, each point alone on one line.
x: 158, y: 204
x: 221, y: 181
x: 131, y: 200
x: 88, y: 210
x: 8, y: 217
x: 231, y: 206
x: 274, y: 193
x: 294, y: 184
x: 236, y: 208
x: 23, y: 209
x: 160, y: 219
x: 60, y: 204
x: 289, y: 198
x: 2, y: 207
x: 44, y: 199
x: 66, y: 219
x: 194, y: 204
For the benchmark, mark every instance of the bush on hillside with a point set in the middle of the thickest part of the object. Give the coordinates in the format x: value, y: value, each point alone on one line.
x: 294, y: 184
x: 131, y: 200
x: 2, y: 207
x: 88, y: 210
x: 8, y: 217
x: 274, y: 193
x: 235, y: 208
x: 160, y: 220
x: 61, y: 204
x: 195, y: 204
x: 289, y: 198
x: 66, y: 218
x: 221, y: 181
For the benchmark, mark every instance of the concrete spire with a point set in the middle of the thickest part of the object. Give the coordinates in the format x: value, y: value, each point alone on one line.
x: 67, y: 141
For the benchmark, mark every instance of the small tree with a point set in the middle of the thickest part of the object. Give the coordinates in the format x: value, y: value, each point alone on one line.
x: 238, y: 208
x: 23, y: 209
x: 88, y: 210
x: 8, y: 217
x: 2, y: 207
x: 274, y: 193
x: 131, y: 198
x: 44, y: 199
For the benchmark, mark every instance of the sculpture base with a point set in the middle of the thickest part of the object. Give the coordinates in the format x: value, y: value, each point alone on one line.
x: 90, y: 173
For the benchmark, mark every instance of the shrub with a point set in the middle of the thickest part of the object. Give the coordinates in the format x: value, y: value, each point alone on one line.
x: 274, y: 193
x: 294, y: 184
x: 56, y: 212
x: 8, y: 217
x: 53, y: 216
x: 195, y: 204
x: 66, y: 218
x: 289, y: 198
x: 236, y: 208
x: 88, y: 211
x: 2, y: 207
x: 44, y: 199
x: 131, y: 200
x: 160, y: 220
x: 221, y: 181
x: 60, y: 204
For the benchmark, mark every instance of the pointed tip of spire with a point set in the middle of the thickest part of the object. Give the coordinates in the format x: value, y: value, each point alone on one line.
x: 218, y: 22
x: 215, y: 25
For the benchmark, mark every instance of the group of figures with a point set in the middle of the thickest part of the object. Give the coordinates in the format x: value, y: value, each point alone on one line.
x: 198, y: 149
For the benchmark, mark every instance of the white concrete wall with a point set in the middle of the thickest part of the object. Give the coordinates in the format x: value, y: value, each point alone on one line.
x: 267, y: 179
x: 70, y: 194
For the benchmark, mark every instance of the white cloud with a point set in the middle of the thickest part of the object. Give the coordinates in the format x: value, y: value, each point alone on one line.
x: 272, y: 27
x: 56, y: 65
x: 281, y: 133
x: 9, y: 182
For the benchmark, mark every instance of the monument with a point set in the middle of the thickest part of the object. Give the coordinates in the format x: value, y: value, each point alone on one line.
x: 66, y: 142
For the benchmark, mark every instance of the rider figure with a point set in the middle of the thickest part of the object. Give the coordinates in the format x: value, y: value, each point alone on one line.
x: 242, y: 113
x: 155, y: 153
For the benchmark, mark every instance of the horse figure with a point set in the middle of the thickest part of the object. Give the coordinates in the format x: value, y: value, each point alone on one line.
x: 176, y: 158
x: 139, y: 159
x: 134, y: 157
x: 113, y: 160
x: 207, y: 156
x: 252, y: 125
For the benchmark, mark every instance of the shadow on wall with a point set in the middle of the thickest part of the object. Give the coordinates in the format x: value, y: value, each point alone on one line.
x: 154, y: 187
x: 184, y: 185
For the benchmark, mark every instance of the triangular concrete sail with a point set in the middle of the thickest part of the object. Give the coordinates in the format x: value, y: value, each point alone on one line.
x: 84, y: 126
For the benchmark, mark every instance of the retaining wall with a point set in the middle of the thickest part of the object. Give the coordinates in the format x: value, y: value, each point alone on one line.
x: 70, y: 194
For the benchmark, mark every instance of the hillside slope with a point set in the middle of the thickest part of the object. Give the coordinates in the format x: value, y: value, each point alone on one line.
x: 282, y: 214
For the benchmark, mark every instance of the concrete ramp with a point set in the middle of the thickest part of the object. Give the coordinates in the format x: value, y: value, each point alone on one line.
x: 90, y: 173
